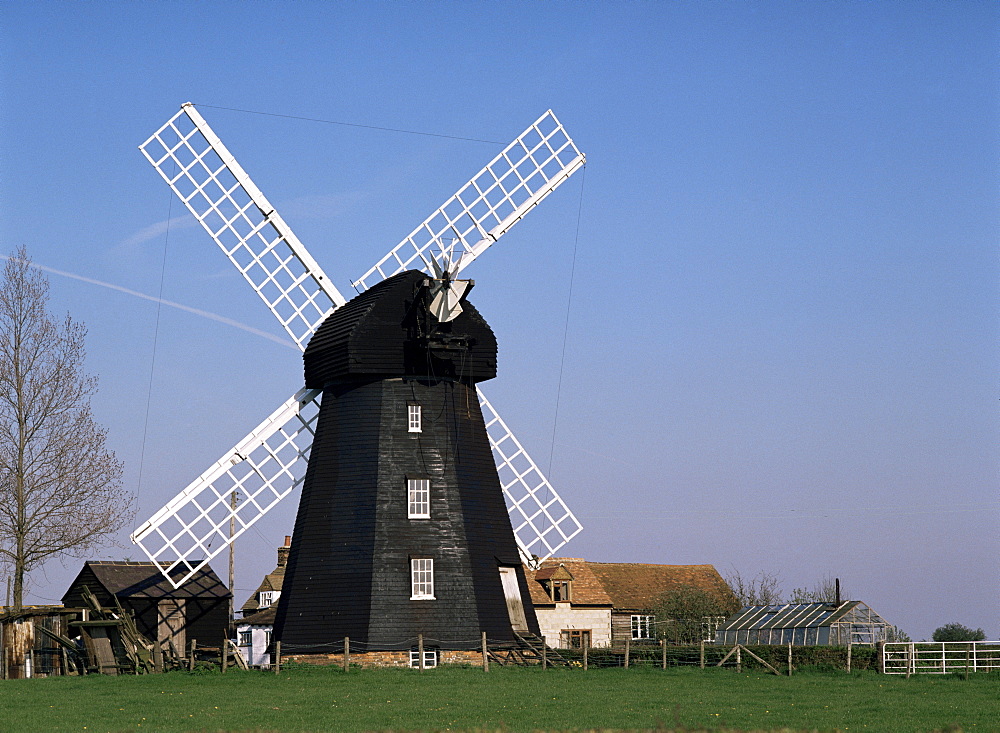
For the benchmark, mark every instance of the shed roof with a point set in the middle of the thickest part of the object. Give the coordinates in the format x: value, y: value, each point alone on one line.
x: 800, y: 615
x: 127, y: 579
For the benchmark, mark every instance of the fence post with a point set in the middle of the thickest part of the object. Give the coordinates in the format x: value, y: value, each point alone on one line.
x: 224, y: 653
x: 849, y: 656
x: 347, y: 653
x: 31, y: 662
x: 789, y: 659
x: 628, y: 639
x: 586, y: 650
x: 486, y: 658
x: 739, y: 664
x: 966, y: 661
x: 545, y: 654
x: 277, y: 657
x: 909, y: 658
x: 194, y: 645
x: 65, y: 662
x: 701, y: 654
x: 420, y: 650
x: 663, y: 645
x: 880, y: 660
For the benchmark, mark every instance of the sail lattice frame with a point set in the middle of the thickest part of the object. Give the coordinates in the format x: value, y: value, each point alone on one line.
x: 242, y: 486
x: 218, y: 192
x: 541, y: 520
x: 537, y: 162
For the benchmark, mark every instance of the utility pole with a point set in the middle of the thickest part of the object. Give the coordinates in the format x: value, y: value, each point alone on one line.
x: 232, y: 554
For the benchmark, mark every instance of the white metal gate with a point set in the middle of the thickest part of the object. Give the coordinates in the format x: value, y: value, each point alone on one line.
x: 940, y: 657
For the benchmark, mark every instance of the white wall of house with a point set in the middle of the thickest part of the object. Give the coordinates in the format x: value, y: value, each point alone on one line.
x: 553, y: 621
x: 259, y: 637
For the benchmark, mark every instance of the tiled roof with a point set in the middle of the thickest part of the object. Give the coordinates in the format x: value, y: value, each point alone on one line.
x: 587, y: 589
x: 623, y: 586
x: 271, y: 581
x: 638, y: 586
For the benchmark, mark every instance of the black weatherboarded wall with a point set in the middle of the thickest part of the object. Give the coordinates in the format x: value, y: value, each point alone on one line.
x: 349, y: 567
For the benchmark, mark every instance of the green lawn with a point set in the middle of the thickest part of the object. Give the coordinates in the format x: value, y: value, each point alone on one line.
x: 315, y: 699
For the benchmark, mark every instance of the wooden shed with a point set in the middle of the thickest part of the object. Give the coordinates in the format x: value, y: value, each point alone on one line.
x: 199, y: 609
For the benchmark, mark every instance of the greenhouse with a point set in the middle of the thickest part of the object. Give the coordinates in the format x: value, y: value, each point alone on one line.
x: 804, y: 624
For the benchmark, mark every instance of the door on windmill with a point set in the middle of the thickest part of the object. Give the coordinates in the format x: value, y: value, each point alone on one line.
x: 515, y: 606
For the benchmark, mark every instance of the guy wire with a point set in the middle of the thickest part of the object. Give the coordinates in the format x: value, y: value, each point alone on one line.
x: 569, y: 302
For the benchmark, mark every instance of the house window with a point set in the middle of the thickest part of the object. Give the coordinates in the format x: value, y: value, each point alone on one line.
x: 246, y: 638
x: 430, y: 657
x: 642, y: 627
x: 267, y: 638
x: 266, y: 598
x: 421, y: 579
x: 559, y: 590
x: 413, y: 418
x: 418, y: 498
x: 575, y: 638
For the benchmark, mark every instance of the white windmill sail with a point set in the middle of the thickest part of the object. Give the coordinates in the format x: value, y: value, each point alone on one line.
x: 219, y: 193
x: 537, y: 162
x: 271, y: 461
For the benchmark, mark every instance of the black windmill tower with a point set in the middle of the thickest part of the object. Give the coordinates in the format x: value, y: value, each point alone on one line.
x: 418, y: 504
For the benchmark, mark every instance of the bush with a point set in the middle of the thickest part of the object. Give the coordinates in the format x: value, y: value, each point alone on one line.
x: 958, y: 632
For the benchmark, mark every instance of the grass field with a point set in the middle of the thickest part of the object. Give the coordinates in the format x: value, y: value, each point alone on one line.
x: 326, y: 699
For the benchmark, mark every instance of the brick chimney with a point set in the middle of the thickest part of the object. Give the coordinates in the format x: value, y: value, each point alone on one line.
x: 283, y: 551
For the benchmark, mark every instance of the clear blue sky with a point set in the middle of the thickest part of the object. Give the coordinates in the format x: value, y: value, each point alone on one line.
x: 781, y: 343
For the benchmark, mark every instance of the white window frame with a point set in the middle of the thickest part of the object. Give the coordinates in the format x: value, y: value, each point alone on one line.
x: 418, y: 498
x: 640, y: 623
x: 414, y: 418
x: 266, y: 598
x: 430, y: 658
x: 246, y: 638
x: 421, y: 579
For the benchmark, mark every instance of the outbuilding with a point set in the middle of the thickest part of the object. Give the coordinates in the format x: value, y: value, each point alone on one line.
x: 804, y: 624
x: 198, y: 609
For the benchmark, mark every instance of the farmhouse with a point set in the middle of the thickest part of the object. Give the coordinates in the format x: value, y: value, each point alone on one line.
x: 199, y: 609
x: 269, y: 590
x: 580, y: 603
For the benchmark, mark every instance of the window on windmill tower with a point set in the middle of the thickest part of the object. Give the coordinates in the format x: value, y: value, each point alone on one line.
x: 246, y: 638
x: 430, y: 657
x: 421, y: 579
x: 418, y: 498
x: 413, y: 418
x: 560, y: 590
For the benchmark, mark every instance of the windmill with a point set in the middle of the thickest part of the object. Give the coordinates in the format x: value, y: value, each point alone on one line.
x: 391, y: 382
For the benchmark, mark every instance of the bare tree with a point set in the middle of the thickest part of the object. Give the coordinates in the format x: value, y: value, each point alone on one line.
x: 823, y: 590
x: 60, y: 487
x: 763, y: 589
